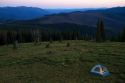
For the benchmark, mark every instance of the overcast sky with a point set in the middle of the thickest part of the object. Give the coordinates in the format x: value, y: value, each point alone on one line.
x: 64, y: 3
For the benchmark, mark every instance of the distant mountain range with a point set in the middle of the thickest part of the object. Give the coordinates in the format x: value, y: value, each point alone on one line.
x: 85, y: 21
x: 27, y: 13
x: 57, y: 11
x: 114, y: 18
x: 20, y: 13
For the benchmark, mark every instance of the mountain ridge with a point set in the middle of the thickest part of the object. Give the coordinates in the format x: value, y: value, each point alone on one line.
x: 20, y: 13
x: 113, y: 18
x: 28, y: 13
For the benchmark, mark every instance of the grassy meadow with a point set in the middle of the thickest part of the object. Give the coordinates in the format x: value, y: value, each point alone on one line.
x: 59, y: 63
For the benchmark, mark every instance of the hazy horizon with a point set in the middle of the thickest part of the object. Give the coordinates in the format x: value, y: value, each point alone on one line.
x: 63, y: 4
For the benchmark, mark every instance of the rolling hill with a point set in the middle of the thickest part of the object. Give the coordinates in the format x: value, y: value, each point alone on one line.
x: 20, y: 13
x: 83, y: 21
x: 27, y: 13
x: 113, y: 18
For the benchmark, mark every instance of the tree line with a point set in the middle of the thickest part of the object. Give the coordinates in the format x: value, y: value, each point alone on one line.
x: 101, y: 36
x: 38, y: 35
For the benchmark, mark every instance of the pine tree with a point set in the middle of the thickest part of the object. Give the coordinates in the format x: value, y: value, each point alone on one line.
x: 15, y: 44
x: 60, y: 38
x: 123, y: 36
x: 37, y: 37
x: 68, y: 44
x: 100, y: 33
x: 47, y: 45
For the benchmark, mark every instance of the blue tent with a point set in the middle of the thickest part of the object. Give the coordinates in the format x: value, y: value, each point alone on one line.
x: 100, y: 70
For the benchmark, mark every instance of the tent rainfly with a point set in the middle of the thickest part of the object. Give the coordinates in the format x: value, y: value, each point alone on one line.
x: 100, y: 70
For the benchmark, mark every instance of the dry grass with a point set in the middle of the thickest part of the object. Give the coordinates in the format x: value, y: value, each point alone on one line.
x: 62, y: 64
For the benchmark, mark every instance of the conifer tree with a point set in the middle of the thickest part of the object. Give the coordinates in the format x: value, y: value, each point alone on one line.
x: 100, y: 33
x: 123, y: 36
x: 37, y: 37
x: 15, y: 44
